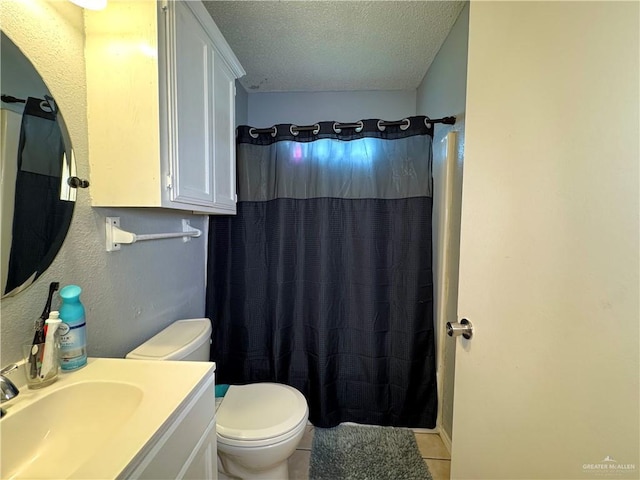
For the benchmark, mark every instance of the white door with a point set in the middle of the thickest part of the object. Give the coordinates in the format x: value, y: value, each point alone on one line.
x: 548, y: 387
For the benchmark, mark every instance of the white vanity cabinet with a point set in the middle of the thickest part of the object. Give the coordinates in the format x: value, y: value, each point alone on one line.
x: 186, y: 446
x: 161, y: 107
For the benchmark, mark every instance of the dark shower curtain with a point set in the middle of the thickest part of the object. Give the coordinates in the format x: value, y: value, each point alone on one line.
x: 323, y: 279
x: 40, y: 219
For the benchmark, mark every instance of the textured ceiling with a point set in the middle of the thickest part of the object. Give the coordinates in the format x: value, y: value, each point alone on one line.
x: 288, y: 46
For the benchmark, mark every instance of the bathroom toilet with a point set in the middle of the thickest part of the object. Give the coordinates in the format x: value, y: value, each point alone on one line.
x: 258, y: 426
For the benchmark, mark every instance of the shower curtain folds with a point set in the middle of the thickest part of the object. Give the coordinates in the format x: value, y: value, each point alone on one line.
x: 323, y: 279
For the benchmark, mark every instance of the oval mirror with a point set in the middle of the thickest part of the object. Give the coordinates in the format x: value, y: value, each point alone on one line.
x: 35, y: 165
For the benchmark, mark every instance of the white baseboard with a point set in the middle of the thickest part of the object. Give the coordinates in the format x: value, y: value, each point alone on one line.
x: 445, y: 439
x: 426, y: 430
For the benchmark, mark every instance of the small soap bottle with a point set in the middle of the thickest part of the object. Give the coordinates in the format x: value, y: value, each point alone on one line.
x: 73, y: 331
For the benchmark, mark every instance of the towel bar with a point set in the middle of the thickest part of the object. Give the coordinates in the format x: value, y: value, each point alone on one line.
x: 115, y: 236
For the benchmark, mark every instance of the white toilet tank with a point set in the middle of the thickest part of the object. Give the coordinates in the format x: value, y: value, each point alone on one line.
x: 182, y: 340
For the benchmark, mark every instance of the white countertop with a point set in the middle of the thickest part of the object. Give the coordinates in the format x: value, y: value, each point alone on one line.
x: 165, y: 386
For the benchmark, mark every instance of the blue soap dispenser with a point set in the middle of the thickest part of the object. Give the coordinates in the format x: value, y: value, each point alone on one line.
x: 73, y: 330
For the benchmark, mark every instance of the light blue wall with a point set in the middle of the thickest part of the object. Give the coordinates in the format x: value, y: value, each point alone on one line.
x: 242, y: 105
x: 305, y: 108
x: 443, y: 88
x: 443, y: 93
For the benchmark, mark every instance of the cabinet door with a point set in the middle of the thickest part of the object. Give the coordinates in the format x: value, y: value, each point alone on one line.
x: 204, y: 464
x: 225, y: 144
x: 192, y: 122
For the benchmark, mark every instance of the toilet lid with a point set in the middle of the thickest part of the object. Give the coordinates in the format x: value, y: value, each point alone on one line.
x: 259, y: 411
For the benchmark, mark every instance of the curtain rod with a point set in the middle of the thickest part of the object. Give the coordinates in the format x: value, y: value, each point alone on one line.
x: 10, y: 99
x: 340, y: 126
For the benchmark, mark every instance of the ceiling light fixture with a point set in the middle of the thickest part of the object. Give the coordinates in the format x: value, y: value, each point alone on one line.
x: 91, y: 4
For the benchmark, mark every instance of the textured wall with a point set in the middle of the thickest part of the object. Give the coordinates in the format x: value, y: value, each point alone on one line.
x: 303, y: 108
x: 131, y: 294
x: 442, y: 93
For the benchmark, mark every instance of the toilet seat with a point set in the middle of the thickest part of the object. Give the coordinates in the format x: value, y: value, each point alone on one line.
x: 260, y: 414
x: 265, y: 442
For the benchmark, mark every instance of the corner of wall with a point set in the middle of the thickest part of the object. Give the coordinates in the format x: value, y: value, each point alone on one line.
x: 441, y: 93
x: 242, y: 105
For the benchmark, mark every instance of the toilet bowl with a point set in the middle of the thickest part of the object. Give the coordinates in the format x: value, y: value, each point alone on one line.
x: 258, y: 426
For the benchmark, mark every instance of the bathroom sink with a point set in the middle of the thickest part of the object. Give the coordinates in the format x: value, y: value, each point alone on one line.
x: 55, y: 434
x: 98, y: 422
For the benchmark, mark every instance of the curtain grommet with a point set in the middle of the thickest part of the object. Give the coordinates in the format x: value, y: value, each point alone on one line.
x: 46, y: 107
x: 316, y: 129
x: 360, y: 126
x: 335, y: 128
x: 252, y: 133
x: 404, y: 127
x: 293, y: 132
x: 51, y: 104
x: 427, y: 123
x: 381, y: 127
x: 275, y: 131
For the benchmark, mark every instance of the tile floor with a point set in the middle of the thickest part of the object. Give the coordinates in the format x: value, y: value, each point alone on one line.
x: 433, y: 451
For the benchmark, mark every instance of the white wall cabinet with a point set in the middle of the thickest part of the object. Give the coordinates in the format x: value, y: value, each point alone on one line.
x: 161, y: 107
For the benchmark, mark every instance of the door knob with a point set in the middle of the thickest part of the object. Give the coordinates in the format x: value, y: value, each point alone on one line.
x: 464, y: 328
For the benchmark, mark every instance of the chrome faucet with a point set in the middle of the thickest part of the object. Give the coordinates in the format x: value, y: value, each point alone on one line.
x: 7, y: 389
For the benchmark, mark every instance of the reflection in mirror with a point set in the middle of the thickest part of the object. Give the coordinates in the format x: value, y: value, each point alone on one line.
x: 36, y: 162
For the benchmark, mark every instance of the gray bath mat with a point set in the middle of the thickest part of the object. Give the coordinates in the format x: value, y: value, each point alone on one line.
x: 353, y: 452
